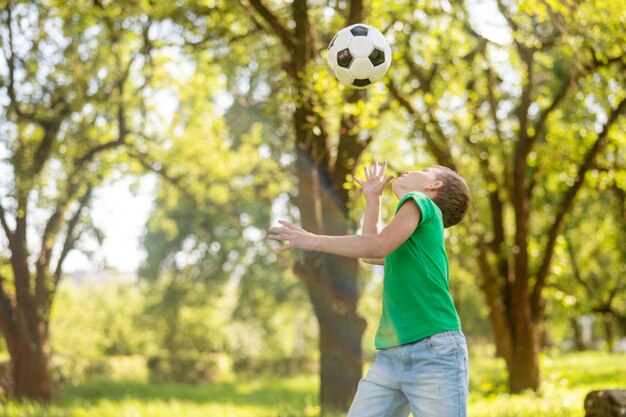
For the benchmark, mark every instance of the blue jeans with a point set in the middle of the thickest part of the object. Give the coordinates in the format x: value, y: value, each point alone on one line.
x: 428, y: 377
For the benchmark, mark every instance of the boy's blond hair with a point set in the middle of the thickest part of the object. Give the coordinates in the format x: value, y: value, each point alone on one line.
x: 453, y: 198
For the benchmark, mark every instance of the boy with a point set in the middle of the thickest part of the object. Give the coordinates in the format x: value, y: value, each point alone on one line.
x: 421, y: 364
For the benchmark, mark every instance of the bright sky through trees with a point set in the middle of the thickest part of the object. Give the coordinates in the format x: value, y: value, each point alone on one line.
x: 121, y: 213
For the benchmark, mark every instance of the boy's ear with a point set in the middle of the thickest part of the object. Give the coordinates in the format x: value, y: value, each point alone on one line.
x: 434, y: 186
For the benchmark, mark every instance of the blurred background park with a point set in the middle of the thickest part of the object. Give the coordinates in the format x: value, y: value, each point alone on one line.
x: 146, y: 146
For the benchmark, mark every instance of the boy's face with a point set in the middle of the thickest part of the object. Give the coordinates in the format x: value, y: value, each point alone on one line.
x: 424, y: 181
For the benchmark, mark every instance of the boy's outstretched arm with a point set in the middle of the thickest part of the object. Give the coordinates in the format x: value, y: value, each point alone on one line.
x: 356, y: 246
x: 373, y: 186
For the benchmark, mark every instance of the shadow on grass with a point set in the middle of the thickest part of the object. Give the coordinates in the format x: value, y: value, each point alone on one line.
x: 262, y: 392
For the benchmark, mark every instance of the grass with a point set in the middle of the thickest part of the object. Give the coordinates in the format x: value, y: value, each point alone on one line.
x: 566, y: 380
x: 277, y: 397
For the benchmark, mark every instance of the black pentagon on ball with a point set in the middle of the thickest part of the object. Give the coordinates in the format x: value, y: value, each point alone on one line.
x: 361, y: 82
x: 377, y: 57
x: 359, y: 31
x: 344, y: 58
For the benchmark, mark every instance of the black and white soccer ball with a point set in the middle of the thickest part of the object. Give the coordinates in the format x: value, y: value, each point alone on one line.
x: 359, y: 55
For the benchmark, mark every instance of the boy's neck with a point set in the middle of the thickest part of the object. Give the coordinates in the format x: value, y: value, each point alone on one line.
x: 401, y: 193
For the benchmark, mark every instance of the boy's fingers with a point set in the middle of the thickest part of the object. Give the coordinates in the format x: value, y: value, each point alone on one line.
x: 389, y: 178
x: 358, y: 181
x: 289, y: 225
x: 276, y: 236
x: 282, y: 248
x: 366, y: 172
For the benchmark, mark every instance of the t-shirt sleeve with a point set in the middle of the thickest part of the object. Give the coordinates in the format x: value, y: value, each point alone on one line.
x: 424, y: 203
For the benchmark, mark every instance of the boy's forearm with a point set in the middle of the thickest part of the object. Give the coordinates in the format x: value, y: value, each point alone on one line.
x: 356, y: 246
x: 371, y: 218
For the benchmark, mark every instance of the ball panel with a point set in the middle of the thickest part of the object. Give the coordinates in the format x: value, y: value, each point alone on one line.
x: 359, y: 30
x: 361, y: 68
x: 377, y: 57
x: 378, y: 73
x: 344, y: 75
x: 332, y: 57
x: 344, y: 58
x: 377, y: 37
x: 361, y: 46
x: 387, y: 56
x: 342, y: 39
x: 361, y: 83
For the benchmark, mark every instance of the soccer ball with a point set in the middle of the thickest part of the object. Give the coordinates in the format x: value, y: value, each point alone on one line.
x: 359, y: 55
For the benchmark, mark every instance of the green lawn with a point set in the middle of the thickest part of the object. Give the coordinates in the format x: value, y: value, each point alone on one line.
x: 566, y: 381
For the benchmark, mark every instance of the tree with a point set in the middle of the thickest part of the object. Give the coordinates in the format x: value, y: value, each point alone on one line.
x: 505, y: 109
x: 65, y: 75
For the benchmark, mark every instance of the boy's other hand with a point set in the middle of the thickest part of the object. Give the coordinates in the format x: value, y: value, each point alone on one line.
x: 375, y: 180
x: 295, y: 236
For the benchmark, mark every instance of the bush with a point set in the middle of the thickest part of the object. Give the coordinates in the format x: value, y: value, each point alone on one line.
x: 285, y: 366
x: 205, y: 368
x: 93, y: 323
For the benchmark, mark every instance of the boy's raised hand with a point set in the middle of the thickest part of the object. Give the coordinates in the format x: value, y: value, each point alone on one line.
x: 375, y: 180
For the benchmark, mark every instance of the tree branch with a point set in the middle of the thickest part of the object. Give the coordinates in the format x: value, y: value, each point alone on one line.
x: 505, y: 13
x: 48, y: 125
x: 273, y: 21
x: 121, y: 122
x: 7, y: 230
x: 7, y: 312
x: 19, y: 255
x: 558, y: 98
x: 575, y: 268
x: 414, y: 70
x: 597, y: 63
x: 540, y: 124
x: 47, y: 243
x: 10, y: 60
x: 357, y: 12
x: 70, y: 238
x: 442, y: 155
x: 229, y: 40
x: 51, y: 129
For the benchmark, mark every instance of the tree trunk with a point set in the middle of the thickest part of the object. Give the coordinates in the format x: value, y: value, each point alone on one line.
x: 331, y: 282
x: 579, y: 344
x: 607, y: 321
x: 24, y: 324
x: 497, y: 309
x: 524, y: 363
x: 341, y: 331
x: 31, y: 368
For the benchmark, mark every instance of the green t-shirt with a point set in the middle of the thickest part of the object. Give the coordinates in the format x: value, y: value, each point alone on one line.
x: 416, y: 298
